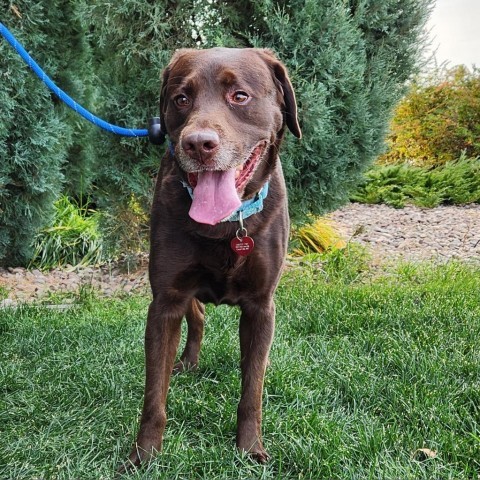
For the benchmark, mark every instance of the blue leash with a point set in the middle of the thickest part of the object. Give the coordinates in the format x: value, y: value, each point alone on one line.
x: 154, y: 132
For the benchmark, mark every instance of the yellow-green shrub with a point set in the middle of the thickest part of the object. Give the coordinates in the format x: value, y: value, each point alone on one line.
x: 316, y: 237
x: 437, y: 120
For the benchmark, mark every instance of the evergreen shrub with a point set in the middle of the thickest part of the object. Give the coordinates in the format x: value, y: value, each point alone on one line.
x: 397, y: 185
x: 349, y: 62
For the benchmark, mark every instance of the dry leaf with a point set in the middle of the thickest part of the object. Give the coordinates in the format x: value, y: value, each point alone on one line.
x: 422, y: 454
x: 16, y: 11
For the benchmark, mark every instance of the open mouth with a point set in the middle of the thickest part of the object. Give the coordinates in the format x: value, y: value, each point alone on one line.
x: 217, y: 193
x: 243, y: 173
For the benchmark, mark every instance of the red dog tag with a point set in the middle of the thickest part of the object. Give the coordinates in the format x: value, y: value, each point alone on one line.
x: 242, y: 245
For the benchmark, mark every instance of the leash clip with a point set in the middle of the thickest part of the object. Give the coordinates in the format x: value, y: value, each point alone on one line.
x: 155, y: 134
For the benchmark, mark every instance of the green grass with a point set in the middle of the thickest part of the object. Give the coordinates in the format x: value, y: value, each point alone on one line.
x: 364, y: 371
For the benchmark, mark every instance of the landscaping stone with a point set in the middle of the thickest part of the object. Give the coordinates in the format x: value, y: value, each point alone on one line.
x: 412, y: 233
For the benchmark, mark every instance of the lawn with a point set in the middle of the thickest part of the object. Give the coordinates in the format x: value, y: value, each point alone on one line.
x: 366, y: 368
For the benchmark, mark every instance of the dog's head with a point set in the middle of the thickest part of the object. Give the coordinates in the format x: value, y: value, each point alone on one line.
x: 225, y: 112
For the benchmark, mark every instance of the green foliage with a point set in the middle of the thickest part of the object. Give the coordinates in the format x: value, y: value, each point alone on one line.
x: 347, y: 265
x: 456, y: 182
x: 73, y: 239
x: 437, y: 119
x: 343, y: 266
x: 132, y: 43
x: 125, y: 229
x: 3, y: 292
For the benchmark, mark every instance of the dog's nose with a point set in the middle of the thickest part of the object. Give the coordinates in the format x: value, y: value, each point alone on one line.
x: 201, y: 144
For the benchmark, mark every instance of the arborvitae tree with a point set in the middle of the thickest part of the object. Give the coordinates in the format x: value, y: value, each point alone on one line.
x: 39, y: 138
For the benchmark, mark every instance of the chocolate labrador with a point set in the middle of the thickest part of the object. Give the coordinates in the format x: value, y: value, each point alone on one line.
x: 219, y: 222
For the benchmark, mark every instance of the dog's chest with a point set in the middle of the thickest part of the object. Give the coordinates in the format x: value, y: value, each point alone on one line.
x: 218, y: 281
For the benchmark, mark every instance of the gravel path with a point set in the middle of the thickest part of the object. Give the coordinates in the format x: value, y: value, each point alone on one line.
x: 413, y: 233
x: 22, y: 285
x: 410, y: 233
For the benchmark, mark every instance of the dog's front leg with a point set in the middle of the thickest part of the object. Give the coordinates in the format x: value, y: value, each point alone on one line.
x: 162, y: 336
x: 257, y: 325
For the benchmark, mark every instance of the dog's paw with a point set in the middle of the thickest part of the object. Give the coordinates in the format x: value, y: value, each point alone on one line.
x: 138, y: 457
x: 261, y: 456
x: 255, y: 451
x: 184, y: 366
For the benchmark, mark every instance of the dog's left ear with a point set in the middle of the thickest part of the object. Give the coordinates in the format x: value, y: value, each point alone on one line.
x: 285, y: 87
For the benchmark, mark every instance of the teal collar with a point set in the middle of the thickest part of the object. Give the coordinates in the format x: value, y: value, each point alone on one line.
x: 247, y: 208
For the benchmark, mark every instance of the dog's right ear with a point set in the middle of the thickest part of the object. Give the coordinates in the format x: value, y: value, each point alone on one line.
x: 163, y: 99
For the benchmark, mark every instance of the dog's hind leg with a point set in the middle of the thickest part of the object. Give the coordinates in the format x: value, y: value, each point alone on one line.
x: 195, y: 320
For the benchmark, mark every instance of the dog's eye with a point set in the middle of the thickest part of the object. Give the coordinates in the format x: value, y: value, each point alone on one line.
x: 181, y: 101
x: 240, y: 97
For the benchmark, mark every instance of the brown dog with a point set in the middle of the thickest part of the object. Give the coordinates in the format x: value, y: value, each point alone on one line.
x: 225, y: 112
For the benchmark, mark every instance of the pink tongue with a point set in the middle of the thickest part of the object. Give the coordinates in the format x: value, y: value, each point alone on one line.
x: 215, y: 197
